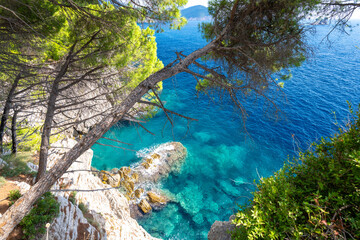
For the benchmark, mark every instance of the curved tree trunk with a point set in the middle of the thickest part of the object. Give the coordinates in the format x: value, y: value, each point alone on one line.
x: 7, y: 108
x: 16, y: 212
x: 45, y: 136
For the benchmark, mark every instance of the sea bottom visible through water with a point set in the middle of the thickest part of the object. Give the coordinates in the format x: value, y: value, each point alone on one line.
x: 224, y: 160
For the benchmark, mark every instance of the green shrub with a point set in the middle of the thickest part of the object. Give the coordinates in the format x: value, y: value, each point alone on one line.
x: 13, y: 196
x: 44, y: 211
x: 83, y: 208
x: 17, y: 164
x: 72, y: 198
x: 316, y: 196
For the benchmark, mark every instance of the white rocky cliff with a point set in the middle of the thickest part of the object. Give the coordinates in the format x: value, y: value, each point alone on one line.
x: 107, y: 210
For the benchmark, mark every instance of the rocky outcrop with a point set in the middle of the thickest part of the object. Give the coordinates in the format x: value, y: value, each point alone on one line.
x: 3, y: 164
x: 71, y: 223
x: 221, y: 230
x: 23, y: 186
x: 138, y: 181
x: 166, y: 158
x: 109, y: 208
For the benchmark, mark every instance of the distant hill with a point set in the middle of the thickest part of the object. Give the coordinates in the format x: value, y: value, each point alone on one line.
x: 196, y: 13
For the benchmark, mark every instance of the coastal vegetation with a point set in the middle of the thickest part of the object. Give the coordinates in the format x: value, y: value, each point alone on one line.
x: 61, y: 60
x: 43, y: 212
x: 314, y: 196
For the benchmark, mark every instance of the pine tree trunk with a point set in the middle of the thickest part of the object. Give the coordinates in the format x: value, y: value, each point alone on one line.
x: 7, y: 108
x: 13, y: 131
x: 51, y: 107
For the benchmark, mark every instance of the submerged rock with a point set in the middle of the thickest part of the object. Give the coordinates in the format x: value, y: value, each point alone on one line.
x: 229, y: 189
x: 221, y: 230
x: 191, y: 199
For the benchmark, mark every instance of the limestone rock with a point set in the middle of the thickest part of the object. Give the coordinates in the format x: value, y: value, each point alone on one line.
x: 135, y: 211
x: 155, y: 198
x: 24, y: 187
x: 114, y: 180
x: 135, y: 177
x: 110, y: 178
x: 145, y: 206
x: 71, y: 224
x: 110, y: 209
x: 220, y: 230
x: 125, y: 170
x: 3, y: 163
x: 33, y: 167
x: 138, y: 192
x: 166, y: 158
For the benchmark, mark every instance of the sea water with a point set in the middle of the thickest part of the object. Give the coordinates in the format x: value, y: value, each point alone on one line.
x: 224, y: 158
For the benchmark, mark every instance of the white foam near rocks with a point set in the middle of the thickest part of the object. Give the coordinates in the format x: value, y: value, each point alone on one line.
x: 170, y: 157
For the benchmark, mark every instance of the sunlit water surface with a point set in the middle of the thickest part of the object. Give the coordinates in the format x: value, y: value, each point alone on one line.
x: 222, y: 159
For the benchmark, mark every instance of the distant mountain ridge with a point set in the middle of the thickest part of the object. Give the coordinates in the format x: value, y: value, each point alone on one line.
x: 198, y: 12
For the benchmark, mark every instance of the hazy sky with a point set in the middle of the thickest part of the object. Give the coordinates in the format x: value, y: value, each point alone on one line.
x: 196, y: 2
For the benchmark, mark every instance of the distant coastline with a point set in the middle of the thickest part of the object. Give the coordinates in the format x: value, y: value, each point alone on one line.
x: 196, y: 13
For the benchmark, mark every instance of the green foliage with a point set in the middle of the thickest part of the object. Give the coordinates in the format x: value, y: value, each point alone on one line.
x: 13, y: 196
x: 72, y: 197
x: 316, y: 196
x: 31, y: 138
x: 17, y: 164
x: 44, y: 211
x: 83, y: 208
x: 202, y: 84
x: 148, y: 111
x: 261, y: 38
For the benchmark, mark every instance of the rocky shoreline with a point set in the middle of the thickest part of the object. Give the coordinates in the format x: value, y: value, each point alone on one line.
x: 105, y: 204
x: 138, y: 182
x: 129, y: 193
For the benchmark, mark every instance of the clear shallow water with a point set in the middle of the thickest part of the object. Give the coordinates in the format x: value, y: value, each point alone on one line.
x: 223, y: 161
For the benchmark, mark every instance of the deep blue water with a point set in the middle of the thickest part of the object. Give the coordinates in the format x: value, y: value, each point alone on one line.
x: 223, y: 160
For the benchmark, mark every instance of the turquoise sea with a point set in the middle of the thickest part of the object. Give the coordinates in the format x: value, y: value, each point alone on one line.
x: 224, y: 159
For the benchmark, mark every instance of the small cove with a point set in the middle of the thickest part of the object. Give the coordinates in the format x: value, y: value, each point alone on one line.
x: 222, y: 159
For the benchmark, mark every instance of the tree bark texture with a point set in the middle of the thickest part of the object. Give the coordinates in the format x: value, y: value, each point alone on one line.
x: 13, y: 131
x: 22, y: 206
x: 49, y: 117
x: 6, y: 110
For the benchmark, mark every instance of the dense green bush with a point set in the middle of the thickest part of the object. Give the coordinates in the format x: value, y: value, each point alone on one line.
x: 13, y: 196
x: 44, y: 211
x: 316, y: 196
